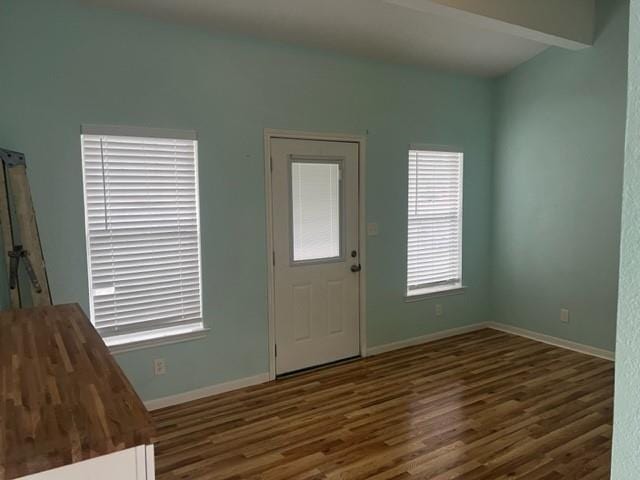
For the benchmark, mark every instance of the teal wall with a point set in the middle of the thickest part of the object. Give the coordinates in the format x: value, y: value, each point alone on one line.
x: 65, y: 65
x: 559, y: 152
x: 626, y: 429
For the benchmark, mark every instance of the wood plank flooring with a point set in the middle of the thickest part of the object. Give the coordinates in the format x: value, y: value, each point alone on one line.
x: 480, y: 406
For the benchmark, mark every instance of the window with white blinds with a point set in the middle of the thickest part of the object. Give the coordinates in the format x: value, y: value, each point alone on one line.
x: 142, y: 226
x: 315, y: 205
x: 434, y: 239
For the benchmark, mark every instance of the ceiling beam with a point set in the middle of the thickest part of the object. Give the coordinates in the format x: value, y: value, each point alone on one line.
x: 563, y: 23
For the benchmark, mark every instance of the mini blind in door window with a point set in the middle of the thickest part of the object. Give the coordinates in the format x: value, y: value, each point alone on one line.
x: 434, y: 240
x: 315, y: 205
x: 142, y: 225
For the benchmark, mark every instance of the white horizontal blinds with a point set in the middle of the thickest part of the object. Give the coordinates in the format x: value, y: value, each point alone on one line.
x: 435, y: 219
x: 143, y: 233
x: 315, y: 204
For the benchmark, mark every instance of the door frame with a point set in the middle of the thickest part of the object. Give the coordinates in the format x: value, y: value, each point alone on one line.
x: 361, y: 141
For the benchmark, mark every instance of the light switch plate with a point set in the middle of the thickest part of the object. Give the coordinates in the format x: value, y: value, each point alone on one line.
x: 372, y: 229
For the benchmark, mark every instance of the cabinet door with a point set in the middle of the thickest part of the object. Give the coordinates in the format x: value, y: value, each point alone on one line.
x: 130, y: 464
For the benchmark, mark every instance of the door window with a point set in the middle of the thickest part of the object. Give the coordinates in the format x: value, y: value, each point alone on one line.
x: 315, y: 210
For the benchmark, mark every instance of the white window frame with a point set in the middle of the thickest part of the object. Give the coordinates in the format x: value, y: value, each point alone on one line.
x: 155, y: 337
x: 445, y: 289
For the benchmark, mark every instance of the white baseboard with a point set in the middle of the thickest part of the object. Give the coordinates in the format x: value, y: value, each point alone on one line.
x: 540, y: 337
x: 555, y: 341
x: 410, y: 342
x: 432, y: 337
x: 206, y: 391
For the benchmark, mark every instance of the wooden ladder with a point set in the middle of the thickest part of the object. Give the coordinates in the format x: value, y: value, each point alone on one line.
x: 15, y: 194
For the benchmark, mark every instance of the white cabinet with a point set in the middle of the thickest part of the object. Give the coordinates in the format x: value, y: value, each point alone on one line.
x: 132, y: 464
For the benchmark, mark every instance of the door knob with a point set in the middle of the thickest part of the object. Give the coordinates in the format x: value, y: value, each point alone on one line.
x: 356, y: 268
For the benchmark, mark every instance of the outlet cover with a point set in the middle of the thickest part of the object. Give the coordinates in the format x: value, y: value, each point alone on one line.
x: 564, y: 315
x: 439, y: 310
x: 159, y: 366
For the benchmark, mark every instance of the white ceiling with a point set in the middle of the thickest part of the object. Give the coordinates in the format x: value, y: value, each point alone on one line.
x: 369, y: 28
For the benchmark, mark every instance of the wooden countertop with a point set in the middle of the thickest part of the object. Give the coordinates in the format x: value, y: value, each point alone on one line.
x: 63, y: 397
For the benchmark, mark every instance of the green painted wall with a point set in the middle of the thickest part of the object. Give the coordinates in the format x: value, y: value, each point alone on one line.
x: 559, y: 151
x: 626, y: 430
x: 64, y: 65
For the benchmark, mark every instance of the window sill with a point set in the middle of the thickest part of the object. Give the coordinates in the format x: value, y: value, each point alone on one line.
x: 157, y: 341
x: 428, y: 293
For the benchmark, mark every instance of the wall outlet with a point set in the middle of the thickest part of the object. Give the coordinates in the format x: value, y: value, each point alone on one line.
x: 372, y: 229
x: 159, y: 366
x: 439, y: 310
x: 564, y: 315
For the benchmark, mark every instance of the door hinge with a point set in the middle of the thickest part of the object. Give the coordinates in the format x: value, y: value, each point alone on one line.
x: 275, y: 348
x: 273, y: 257
x: 271, y: 163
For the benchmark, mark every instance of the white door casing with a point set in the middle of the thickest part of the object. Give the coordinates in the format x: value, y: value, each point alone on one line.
x: 315, y: 230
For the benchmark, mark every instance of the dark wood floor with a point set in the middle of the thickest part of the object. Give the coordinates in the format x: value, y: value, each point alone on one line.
x: 485, y: 405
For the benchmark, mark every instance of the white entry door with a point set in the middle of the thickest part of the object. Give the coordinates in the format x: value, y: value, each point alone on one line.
x: 315, y: 233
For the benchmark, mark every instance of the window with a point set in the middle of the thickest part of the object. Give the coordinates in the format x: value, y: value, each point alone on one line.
x: 142, y: 227
x: 434, y: 238
x: 315, y: 210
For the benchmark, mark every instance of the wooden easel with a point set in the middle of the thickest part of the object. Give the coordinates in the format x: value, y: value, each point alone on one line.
x: 15, y: 191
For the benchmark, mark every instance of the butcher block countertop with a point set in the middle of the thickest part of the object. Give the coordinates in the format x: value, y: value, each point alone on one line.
x: 63, y: 397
